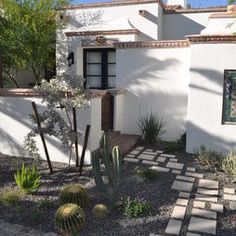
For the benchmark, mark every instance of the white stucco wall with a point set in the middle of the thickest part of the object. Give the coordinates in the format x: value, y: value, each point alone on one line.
x: 177, y: 26
x: 204, y: 127
x: 156, y: 80
x: 15, y: 124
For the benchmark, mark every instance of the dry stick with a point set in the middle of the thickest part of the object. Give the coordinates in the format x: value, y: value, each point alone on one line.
x: 1, y: 72
x: 42, y: 136
x: 84, y: 148
x: 76, y: 138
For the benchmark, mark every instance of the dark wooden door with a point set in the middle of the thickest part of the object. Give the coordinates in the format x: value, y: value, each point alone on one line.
x: 107, y: 112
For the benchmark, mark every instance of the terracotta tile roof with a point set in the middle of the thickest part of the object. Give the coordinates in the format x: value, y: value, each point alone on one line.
x: 211, y: 38
x: 104, y: 32
x: 153, y: 44
x: 223, y: 15
x: 19, y: 92
x: 195, y: 10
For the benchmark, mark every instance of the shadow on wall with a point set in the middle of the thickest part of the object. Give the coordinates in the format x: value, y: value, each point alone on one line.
x: 177, y: 26
x: 16, y: 123
x: 153, y: 86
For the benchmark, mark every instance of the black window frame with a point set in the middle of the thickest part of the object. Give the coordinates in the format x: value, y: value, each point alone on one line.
x: 104, y: 66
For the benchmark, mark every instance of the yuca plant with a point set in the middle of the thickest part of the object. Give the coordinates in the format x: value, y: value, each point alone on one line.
x: 229, y: 164
x: 28, y: 180
x: 151, y: 127
x: 69, y: 219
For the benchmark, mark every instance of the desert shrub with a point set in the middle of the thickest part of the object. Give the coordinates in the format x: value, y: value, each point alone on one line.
x: 229, y: 164
x: 74, y: 194
x: 151, y: 127
x: 210, y: 158
x: 100, y: 211
x: 27, y: 179
x: 182, y: 141
x: 69, y: 219
x: 172, y: 147
x: 134, y: 208
x: 10, y: 196
x: 146, y: 173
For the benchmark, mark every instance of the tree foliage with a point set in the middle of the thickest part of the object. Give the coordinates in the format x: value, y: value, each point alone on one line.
x: 28, y: 35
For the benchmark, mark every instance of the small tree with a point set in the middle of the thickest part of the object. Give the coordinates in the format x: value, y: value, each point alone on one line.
x: 28, y: 36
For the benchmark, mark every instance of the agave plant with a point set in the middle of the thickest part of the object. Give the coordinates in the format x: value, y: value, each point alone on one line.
x: 69, y: 219
x: 27, y: 179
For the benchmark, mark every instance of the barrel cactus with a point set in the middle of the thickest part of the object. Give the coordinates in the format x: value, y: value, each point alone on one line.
x: 100, y: 211
x: 74, y: 194
x: 69, y: 219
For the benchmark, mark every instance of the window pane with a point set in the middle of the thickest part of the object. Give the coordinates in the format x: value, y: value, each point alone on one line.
x: 94, y: 82
x: 111, y: 69
x: 93, y: 69
x: 111, y: 82
x: 94, y: 57
x: 111, y: 57
x: 229, y: 97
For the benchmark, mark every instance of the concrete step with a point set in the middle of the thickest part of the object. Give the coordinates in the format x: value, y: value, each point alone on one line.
x: 126, y: 142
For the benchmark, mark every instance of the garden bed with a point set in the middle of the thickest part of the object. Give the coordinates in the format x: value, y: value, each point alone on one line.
x: 37, y: 210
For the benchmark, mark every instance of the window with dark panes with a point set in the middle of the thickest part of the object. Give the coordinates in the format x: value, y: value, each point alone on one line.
x: 100, y: 68
x: 229, y: 105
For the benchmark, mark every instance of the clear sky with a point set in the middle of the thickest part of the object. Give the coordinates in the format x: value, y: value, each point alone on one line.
x: 195, y: 3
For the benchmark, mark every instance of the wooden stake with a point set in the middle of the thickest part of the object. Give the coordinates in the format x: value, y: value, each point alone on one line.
x: 1, y: 72
x: 42, y: 136
x: 84, y: 148
x: 76, y: 139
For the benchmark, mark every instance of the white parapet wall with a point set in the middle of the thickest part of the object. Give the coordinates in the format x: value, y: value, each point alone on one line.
x: 156, y: 79
x: 208, y: 62
x: 15, y: 124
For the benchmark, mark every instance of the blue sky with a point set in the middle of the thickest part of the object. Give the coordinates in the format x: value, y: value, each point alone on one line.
x: 195, y: 3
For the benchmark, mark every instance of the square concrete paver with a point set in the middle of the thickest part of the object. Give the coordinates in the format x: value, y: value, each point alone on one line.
x: 207, y: 191
x: 202, y: 225
x: 210, y: 184
x: 193, y: 174
x: 185, y: 178
x: 182, y: 186
x: 178, y: 212
x: 174, y: 165
x: 173, y: 227
x: 184, y: 195
x: 192, y: 169
x: 229, y: 197
x: 204, y: 213
x: 134, y: 160
x: 199, y: 204
x: 182, y: 202
x: 192, y: 234
x: 139, y: 148
x: 167, y: 155
x: 146, y: 157
x: 134, y: 152
x: 161, y: 159
x: 160, y: 169
x: 232, y: 206
x: 205, y: 198
x: 174, y: 160
x: 217, y: 207
x: 176, y: 172
x: 229, y: 190
x: 153, y: 163
x: 150, y: 153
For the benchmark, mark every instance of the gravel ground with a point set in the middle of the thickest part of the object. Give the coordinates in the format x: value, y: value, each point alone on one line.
x: 38, y: 210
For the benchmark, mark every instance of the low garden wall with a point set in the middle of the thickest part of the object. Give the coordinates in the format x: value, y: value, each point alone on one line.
x: 15, y: 124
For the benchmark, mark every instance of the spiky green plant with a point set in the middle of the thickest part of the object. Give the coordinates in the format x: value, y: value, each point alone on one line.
x: 229, y: 164
x: 100, y: 211
x: 28, y: 179
x: 112, y: 168
x: 74, y: 194
x: 69, y: 219
x: 151, y: 127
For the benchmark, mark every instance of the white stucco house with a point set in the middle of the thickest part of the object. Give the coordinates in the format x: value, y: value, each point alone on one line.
x: 138, y: 56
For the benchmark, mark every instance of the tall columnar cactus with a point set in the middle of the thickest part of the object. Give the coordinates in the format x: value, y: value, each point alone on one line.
x: 112, y: 165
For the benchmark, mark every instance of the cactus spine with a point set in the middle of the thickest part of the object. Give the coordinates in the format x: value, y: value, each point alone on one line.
x: 112, y: 165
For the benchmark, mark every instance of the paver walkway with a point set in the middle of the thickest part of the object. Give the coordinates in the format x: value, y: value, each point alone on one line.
x: 199, y: 199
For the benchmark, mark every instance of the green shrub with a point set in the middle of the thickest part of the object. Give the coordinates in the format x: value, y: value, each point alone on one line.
x: 147, y: 173
x: 74, y: 194
x: 28, y: 179
x: 172, y: 147
x: 10, y: 196
x: 210, y: 158
x: 100, y: 211
x: 134, y: 207
x: 69, y: 219
x: 151, y: 127
x: 229, y: 164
